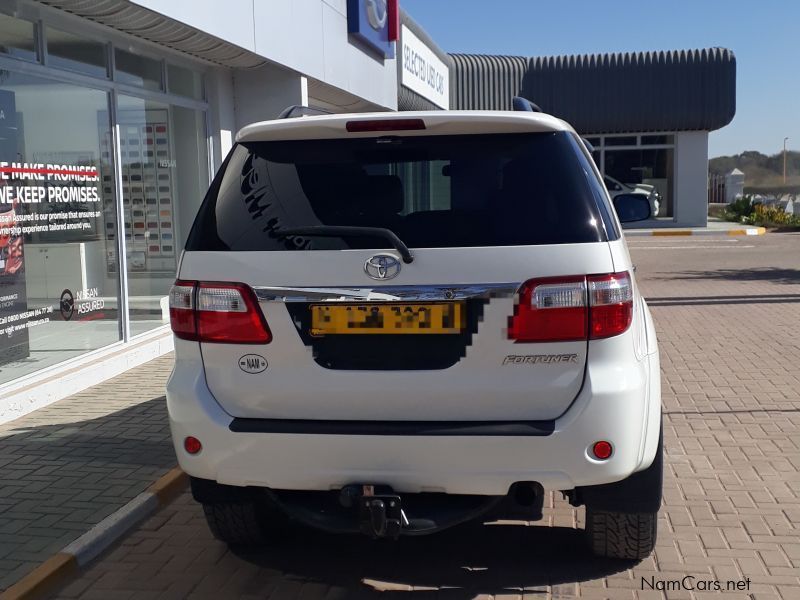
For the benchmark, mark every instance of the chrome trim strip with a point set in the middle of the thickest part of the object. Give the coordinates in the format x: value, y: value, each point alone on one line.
x: 387, y: 293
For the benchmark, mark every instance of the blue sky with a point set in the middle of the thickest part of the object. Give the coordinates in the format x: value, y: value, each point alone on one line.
x: 764, y: 35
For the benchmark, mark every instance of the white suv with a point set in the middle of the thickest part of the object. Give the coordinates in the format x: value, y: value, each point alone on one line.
x: 615, y: 187
x: 394, y: 323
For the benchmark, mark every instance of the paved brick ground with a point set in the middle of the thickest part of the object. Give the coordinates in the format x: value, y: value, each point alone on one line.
x: 65, y: 467
x: 727, y: 312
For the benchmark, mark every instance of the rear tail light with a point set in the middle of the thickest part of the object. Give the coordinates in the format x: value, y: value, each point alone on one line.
x: 181, y: 310
x: 563, y: 309
x: 611, y: 304
x: 225, y: 313
x: 550, y: 310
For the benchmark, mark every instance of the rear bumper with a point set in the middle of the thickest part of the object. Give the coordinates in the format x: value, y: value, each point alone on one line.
x: 618, y: 405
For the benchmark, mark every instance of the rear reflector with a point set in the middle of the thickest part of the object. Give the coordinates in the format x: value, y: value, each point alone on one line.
x: 385, y: 125
x: 573, y: 308
x: 225, y: 313
x: 192, y: 445
x: 602, y: 450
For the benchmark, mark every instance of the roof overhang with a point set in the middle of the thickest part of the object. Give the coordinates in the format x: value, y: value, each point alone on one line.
x: 154, y: 27
x: 678, y: 90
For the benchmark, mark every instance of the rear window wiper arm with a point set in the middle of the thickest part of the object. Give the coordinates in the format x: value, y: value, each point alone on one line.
x: 343, y: 231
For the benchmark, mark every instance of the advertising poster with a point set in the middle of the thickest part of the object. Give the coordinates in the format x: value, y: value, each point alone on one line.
x: 14, y: 337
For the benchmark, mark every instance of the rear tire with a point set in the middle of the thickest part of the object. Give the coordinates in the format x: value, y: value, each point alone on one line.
x: 247, y: 523
x: 630, y: 536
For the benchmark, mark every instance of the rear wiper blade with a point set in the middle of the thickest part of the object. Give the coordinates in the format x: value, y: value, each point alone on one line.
x: 342, y: 231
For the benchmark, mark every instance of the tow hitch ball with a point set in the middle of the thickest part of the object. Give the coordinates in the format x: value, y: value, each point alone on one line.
x: 380, y: 515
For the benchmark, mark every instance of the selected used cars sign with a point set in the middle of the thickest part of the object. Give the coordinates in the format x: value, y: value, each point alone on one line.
x: 423, y: 71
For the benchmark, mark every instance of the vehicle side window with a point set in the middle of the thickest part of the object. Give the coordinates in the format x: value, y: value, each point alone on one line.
x: 600, y: 194
x: 611, y: 185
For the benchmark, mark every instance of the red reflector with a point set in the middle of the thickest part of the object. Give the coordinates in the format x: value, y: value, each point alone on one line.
x: 602, y: 450
x: 192, y: 445
x: 385, y: 125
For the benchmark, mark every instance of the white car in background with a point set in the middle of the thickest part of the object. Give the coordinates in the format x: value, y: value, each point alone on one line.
x: 615, y: 187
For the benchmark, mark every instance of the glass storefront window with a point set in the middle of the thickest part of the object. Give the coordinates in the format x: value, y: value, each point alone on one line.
x: 76, y: 53
x: 164, y: 178
x: 17, y: 38
x: 628, y: 140
x: 137, y: 70
x: 184, y: 82
x: 58, y: 268
x: 657, y: 140
x: 649, y: 167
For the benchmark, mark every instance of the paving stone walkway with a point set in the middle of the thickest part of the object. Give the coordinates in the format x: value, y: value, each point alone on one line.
x: 727, y: 318
x: 67, y: 466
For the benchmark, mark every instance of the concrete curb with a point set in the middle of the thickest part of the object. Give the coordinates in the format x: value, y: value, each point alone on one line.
x: 56, y: 569
x: 703, y: 232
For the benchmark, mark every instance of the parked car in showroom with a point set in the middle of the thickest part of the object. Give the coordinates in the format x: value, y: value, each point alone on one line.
x: 359, y: 352
x: 616, y: 187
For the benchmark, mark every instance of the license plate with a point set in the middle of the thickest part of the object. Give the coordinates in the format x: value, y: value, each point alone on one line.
x: 391, y: 318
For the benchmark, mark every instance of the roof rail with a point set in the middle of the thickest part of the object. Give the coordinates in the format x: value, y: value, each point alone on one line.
x: 298, y: 110
x: 523, y: 104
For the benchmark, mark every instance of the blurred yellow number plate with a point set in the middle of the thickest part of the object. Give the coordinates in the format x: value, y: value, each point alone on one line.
x: 328, y: 319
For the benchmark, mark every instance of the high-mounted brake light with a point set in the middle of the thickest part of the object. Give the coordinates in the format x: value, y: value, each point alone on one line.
x: 225, y: 313
x: 563, y: 309
x: 385, y: 125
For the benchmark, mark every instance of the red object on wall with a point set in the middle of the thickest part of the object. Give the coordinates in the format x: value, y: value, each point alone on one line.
x: 393, y: 6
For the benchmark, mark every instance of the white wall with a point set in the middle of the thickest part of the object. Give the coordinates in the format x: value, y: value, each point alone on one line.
x: 307, y: 36
x: 691, y: 178
x: 221, y: 113
x: 261, y: 94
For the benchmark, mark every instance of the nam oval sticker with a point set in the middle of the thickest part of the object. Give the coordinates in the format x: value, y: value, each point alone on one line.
x: 253, y: 363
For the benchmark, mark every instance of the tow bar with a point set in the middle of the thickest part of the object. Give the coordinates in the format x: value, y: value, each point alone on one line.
x: 379, y: 512
x: 379, y: 515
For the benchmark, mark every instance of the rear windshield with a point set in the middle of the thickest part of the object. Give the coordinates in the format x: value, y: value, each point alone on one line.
x: 432, y: 191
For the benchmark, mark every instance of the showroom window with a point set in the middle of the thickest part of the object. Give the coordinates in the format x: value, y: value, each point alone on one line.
x: 17, y: 38
x: 67, y: 50
x: 59, y: 288
x: 140, y: 71
x: 164, y: 167
x: 638, y: 164
x: 74, y: 194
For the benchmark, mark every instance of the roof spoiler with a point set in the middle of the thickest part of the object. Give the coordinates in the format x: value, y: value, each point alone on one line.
x: 298, y: 110
x: 523, y: 104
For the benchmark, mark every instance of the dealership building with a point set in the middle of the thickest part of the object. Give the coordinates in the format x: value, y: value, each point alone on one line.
x: 115, y: 114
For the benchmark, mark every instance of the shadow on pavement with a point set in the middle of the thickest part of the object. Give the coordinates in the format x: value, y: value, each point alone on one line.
x: 58, y: 480
x: 734, y: 299
x: 471, y: 559
x: 771, y: 274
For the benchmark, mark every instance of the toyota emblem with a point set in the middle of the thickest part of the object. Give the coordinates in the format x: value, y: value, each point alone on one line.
x: 377, y: 14
x: 382, y: 267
